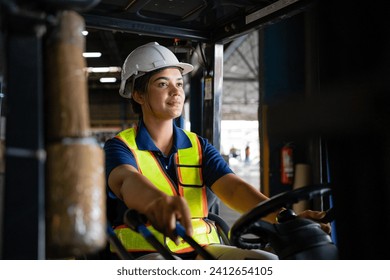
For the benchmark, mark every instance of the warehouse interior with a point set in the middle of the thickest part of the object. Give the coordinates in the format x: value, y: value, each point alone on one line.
x: 313, y: 75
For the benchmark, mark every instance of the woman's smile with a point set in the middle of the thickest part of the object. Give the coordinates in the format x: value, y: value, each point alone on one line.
x: 175, y: 102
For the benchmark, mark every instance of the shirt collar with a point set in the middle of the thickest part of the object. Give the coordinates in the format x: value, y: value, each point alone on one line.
x: 145, y: 142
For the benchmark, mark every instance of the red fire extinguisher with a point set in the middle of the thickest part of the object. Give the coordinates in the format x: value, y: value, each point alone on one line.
x: 287, y: 165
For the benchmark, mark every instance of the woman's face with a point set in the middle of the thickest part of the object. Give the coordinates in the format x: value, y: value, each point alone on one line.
x: 164, y: 98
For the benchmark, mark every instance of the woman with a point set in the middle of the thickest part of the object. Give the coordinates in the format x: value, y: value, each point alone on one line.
x: 163, y: 171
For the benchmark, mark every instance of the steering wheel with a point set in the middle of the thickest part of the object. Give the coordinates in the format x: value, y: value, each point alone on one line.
x: 290, y: 239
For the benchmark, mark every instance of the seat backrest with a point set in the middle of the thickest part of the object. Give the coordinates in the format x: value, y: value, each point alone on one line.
x: 222, y: 228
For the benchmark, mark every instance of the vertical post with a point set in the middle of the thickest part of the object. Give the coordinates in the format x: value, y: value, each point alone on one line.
x: 262, y: 119
x: 75, y: 188
x: 213, y: 97
x: 196, y: 102
x: 24, y: 208
x: 217, y: 88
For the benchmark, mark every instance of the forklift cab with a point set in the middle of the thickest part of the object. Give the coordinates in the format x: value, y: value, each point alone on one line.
x: 322, y: 73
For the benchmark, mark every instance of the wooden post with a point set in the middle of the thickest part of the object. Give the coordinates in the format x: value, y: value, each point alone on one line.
x: 76, y: 213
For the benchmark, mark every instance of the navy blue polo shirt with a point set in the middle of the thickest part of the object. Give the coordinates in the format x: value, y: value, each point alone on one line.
x: 214, y: 166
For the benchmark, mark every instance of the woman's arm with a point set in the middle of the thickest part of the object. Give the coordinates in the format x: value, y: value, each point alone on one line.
x: 239, y: 195
x: 242, y: 197
x: 140, y: 194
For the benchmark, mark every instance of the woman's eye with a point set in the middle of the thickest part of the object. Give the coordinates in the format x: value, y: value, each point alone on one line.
x: 163, y: 84
x: 180, y: 85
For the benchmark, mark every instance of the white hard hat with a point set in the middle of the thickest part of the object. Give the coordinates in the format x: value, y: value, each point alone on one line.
x: 146, y: 58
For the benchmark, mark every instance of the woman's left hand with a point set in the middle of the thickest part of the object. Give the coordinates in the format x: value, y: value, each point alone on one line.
x: 316, y: 216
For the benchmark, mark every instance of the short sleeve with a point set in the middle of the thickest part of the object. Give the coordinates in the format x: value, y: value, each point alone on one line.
x: 117, y: 153
x: 214, y: 165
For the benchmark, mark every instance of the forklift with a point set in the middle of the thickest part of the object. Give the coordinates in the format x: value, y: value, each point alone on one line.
x: 323, y: 92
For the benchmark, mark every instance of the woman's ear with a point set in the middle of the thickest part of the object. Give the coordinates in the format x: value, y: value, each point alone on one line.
x: 138, y: 97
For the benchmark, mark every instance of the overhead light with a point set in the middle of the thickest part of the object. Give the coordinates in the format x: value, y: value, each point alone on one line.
x: 111, y: 69
x: 107, y: 80
x: 100, y: 69
x: 92, y: 54
x: 84, y: 32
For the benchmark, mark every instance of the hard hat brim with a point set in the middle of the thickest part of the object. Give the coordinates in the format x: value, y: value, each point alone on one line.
x: 187, y: 68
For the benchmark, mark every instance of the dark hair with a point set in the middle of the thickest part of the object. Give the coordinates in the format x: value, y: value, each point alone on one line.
x: 141, y: 85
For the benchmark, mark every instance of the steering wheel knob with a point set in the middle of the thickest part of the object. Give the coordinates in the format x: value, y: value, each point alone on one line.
x: 285, y: 215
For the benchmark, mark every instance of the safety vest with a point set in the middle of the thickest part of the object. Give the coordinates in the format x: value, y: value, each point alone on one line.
x: 188, y: 163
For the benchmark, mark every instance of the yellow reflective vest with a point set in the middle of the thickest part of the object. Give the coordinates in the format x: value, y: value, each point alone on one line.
x: 188, y: 164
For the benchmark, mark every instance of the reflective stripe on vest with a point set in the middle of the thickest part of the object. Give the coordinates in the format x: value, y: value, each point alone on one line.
x: 189, y: 172
x: 190, y: 180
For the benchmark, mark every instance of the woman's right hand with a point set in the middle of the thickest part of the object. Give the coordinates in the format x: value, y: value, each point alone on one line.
x: 163, y: 213
x: 138, y: 192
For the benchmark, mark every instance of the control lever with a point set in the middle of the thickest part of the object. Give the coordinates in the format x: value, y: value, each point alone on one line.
x: 136, y: 222
x: 180, y: 231
x: 118, y: 246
